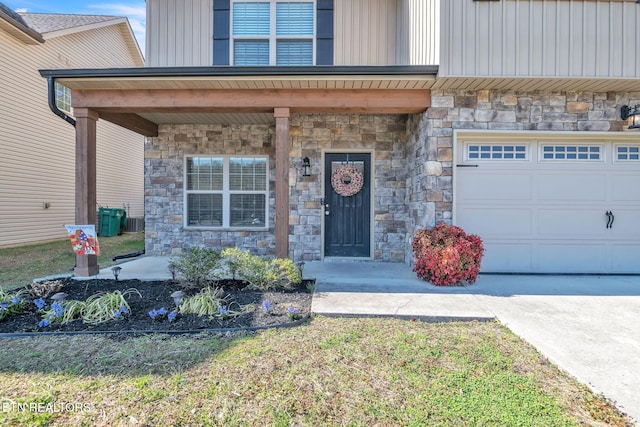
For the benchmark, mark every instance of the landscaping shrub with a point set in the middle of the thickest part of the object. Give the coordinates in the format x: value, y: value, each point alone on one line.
x: 197, y: 266
x: 235, y: 261
x: 262, y: 273
x: 445, y: 255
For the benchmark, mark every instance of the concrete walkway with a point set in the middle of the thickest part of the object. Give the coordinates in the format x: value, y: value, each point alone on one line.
x: 587, y: 325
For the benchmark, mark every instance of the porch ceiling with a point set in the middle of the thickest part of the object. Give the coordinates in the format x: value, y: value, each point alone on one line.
x: 210, y: 118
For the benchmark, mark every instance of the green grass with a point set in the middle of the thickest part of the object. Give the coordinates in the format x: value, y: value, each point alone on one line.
x: 332, y: 371
x: 20, y: 265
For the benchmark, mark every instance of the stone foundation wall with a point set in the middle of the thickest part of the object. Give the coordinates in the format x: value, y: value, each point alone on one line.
x: 430, y: 140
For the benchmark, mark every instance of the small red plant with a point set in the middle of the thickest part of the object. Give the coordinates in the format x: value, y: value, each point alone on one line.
x: 445, y: 255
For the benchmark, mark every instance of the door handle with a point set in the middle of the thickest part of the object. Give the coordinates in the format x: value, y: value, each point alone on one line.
x: 610, y: 219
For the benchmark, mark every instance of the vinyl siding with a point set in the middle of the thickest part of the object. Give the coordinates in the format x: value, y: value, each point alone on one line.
x: 387, y: 32
x: 540, y: 38
x: 366, y: 32
x: 37, y: 160
x: 179, y: 33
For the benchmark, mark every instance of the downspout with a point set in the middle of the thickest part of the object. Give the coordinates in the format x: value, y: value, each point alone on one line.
x: 51, y: 84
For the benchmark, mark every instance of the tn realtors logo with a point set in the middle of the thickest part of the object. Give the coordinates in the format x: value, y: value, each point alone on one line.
x: 9, y: 405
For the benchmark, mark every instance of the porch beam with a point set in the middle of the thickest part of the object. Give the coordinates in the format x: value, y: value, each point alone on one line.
x: 86, y: 120
x: 282, y: 116
x: 399, y: 101
x: 133, y: 122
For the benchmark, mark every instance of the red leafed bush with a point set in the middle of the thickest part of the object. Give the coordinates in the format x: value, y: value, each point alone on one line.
x: 445, y: 255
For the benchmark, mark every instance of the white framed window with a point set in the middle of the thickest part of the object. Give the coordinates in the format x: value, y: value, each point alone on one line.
x: 497, y: 152
x: 571, y: 152
x: 63, y: 98
x: 627, y: 153
x: 272, y: 32
x: 227, y: 191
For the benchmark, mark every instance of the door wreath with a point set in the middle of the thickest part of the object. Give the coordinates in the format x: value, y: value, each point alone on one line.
x: 347, y: 180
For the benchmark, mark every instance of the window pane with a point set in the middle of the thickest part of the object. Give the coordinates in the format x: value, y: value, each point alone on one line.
x: 247, y: 210
x: 295, y: 52
x: 204, y: 173
x: 247, y: 174
x: 204, y: 210
x: 251, y: 19
x: 251, y: 52
x: 294, y: 19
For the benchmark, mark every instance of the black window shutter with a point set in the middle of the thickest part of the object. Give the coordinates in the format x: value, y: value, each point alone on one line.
x: 221, y: 24
x: 324, y: 39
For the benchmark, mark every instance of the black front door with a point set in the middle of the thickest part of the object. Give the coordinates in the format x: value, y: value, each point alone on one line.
x: 347, y: 227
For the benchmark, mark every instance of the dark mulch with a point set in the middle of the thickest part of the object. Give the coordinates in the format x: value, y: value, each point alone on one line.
x: 157, y: 294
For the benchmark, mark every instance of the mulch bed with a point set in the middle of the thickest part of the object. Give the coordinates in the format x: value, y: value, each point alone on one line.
x: 157, y: 294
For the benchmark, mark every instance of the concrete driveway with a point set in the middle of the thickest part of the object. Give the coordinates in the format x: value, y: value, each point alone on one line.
x: 587, y: 325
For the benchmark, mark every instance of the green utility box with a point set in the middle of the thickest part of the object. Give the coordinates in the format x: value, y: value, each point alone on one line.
x: 112, y: 222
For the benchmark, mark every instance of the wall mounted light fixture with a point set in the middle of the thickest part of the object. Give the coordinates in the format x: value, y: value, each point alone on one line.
x: 306, y: 166
x: 631, y: 113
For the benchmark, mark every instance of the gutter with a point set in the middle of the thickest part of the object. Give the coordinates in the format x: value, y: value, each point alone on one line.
x: 51, y: 85
x: 228, y: 71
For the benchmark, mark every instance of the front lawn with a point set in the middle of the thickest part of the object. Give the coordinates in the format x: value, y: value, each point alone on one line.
x: 333, y: 371
x: 20, y: 265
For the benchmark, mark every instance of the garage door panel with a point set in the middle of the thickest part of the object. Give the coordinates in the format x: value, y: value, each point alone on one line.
x: 506, y: 257
x: 625, y: 257
x: 482, y: 187
x: 579, y: 221
x: 625, y: 187
x: 548, y: 215
x: 626, y: 224
x: 574, y: 257
x: 572, y: 187
x: 497, y: 222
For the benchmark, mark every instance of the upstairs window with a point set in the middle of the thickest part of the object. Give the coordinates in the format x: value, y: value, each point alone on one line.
x: 272, y: 33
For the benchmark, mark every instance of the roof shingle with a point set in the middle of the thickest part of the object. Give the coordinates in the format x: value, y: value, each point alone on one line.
x: 49, y: 22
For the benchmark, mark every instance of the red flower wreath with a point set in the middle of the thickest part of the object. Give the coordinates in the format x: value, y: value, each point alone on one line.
x: 347, y: 180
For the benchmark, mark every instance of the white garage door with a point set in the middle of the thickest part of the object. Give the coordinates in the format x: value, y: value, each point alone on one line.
x: 551, y: 206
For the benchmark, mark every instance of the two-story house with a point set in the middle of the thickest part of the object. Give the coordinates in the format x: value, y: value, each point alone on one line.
x: 336, y: 128
x: 37, y: 184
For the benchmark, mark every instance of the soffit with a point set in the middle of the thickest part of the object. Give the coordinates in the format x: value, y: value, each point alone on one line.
x: 250, y: 82
x: 530, y: 84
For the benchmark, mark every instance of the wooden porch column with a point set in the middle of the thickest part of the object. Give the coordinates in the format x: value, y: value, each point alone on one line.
x: 86, y: 119
x: 282, y: 181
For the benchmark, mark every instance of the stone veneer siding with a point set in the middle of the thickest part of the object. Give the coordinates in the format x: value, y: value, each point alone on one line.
x: 310, y: 134
x: 430, y: 135
x: 164, y: 186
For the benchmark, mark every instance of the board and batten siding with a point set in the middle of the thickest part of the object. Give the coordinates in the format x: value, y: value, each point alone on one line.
x: 540, y: 38
x: 37, y: 148
x: 386, y: 32
x: 179, y: 33
x: 366, y: 32
x: 419, y: 30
